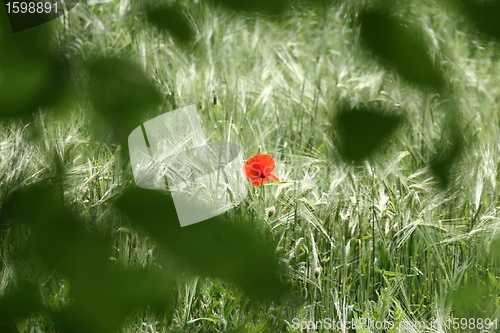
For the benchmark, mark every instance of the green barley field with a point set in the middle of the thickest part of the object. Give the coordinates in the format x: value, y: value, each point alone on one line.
x: 383, y: 121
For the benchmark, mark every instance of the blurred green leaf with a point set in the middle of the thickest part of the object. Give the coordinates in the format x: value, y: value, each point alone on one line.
x: 214, y: 247
x: 272, y: 7
x: 109, y: 297
x: 20, y: 302
x: 102, y: 294
x: 485, y: 15
x: 173, y: 21
x: 32, y: 73
x: 7, y: 326
x: 120, y: 93
x: 495, y: 251
x: 468, y: 299
x: 362, y: 130
x: 442, y: 164
x: 399, y: 47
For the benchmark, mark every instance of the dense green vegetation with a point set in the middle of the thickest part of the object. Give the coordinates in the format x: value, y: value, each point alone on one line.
x: 388, y: 216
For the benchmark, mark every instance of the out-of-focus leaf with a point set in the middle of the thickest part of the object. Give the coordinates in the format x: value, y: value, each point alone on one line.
x: 442, y: 163
x: 485, y: 15
x: 120, y: 93
x: 495, y: 251
x: 215, y: 247
x: 7, y: 326
x: 109, y: 297
x: 272, y: 7
x: 469, y: 298
x: 362, y: 130
x: 399, y: 47
x: 23, y: 20
x: 20, y: 302
x: 102, y: 294
x: 32, y: 73
x: 173, y: 21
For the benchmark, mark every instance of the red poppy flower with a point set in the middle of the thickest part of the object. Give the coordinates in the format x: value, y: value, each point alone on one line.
x: 259, y: 169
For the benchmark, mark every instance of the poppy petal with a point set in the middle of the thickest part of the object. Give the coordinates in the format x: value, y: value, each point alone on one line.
x: 259, y: 181
x: 274, y: 177
x: 259, y: 169
x: 251, y: 170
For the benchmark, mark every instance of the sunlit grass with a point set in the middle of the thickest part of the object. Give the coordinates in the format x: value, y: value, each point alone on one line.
x: 378, y: 241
